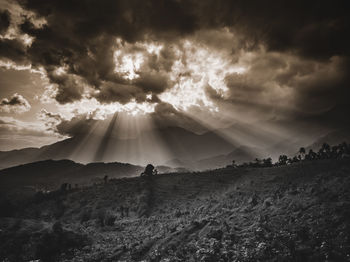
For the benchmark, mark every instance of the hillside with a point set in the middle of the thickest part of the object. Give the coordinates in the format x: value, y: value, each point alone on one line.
x: 50, y: 174
x: 332, y: 138
x: 297, y: 212
x: 239, y: 155
x: 165, y: 143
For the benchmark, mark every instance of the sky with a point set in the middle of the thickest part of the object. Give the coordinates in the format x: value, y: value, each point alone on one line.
x: 281, y: 66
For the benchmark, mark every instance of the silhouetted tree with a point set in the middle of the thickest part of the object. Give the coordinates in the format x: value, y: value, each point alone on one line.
x: 282, y: 160
x: 301, y: 153
x: 335, y: 151
x: 267, y: 162
x: 295, y: 159
x: 327, y: 150
x: 149, y: 171
x: 257, y: 162
x: 311, y: 155
x: 326, y: 147
x: 234, y: 163
x: 324, y: 151
x: 345, y: 149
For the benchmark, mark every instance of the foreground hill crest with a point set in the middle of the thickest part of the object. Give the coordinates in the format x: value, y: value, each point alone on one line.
x: 297, y: 212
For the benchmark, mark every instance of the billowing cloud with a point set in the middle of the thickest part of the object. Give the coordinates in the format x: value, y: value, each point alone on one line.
x: 295, y: 25
x: 80, y: 124
x: 104, y: 44
x: 172, y: 59
x: 16, y: 104
x: 4, y: 21
x: 50, y: 120
x: 13, y: 50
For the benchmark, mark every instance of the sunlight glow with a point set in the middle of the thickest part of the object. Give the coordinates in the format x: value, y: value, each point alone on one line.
x: 152, y: 48
x: 128, y: 64
x: 123, y: 138
x: 95, y: 110
x: 197, y: 68
x: 61, y: 70
x: 129, y: 59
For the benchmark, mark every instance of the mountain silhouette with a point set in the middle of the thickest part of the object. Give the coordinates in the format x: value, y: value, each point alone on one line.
x: 157, y: 146
x: 51, y: 174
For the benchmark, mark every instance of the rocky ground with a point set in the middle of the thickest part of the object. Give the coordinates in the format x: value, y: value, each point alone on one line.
x: 298, y: 212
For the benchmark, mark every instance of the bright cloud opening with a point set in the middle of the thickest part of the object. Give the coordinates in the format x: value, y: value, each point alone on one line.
x: 196, y: 68
x: 129, y: 59
x: 95, y: 110
x: 128, y: 64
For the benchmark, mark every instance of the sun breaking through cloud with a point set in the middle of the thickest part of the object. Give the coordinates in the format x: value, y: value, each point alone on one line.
x: 198, y: 65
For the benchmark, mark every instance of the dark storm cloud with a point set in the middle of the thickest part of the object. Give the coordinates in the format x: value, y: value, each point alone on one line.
x: 15, y: 100
x: 81, y: 35
x: 4, y: 21
x: 165, y: 115
x: 285, y: 85
x: 152, y: 80
x: 319, y: 86
x: 78, y: 125
x: 93, y: 60
x: 122, y: 93
x: 128, y: 19
x: 71, y: 88
x: 313, y: 29
x: 16, y: 103
x: 13, y: 49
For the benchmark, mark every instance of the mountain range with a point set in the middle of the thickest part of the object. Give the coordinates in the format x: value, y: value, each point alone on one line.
x: 50, y: 174
x: 171, y: 146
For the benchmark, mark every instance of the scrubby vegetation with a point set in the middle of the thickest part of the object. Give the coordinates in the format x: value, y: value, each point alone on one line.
x: 295, y: 211
x: 26, y: 239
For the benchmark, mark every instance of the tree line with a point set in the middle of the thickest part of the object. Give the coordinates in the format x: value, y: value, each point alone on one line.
x: 325, y: 152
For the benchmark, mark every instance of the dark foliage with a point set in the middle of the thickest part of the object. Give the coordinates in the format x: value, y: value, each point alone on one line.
x: 54, y: 242
x: 23, y: 241
x: 325, y: 152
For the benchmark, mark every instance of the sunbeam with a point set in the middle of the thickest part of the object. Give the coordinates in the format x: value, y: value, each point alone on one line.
x: 106, y: 139
x: 174, y: 130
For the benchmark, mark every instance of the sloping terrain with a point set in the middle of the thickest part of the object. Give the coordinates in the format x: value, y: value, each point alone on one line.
x: 332, y: 138
x: 298, y: 212
x: 51, y: 174
x: 239, y: 155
